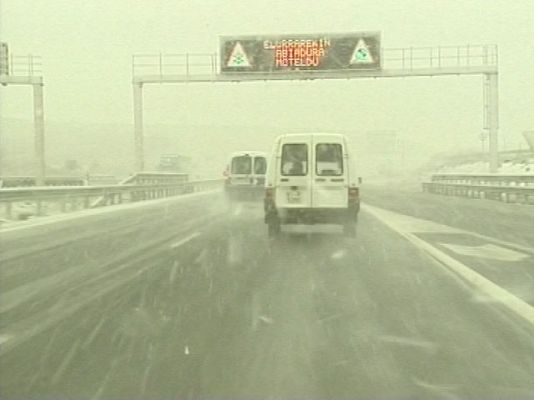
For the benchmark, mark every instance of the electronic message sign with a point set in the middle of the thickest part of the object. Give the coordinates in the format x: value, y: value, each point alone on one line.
x: 289, y: 53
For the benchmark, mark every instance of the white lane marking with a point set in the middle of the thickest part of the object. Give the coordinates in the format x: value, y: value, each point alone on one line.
x: 111, y: 371
x: 235, y: 249
x: 330, y: 318
x: 238, y: 209
x: 255, y: 310
x: 339, y: 363
x: 412, y: 224
x: 186, y: 350
x: 93, y: 333
x: 339, y: 254
x: 4, y: 338
x: 21, y: 294
x: 524, y: 291
x: 185, y: 240
x: 172, y: 275
x: 266, y: 319
x: 409, y: 342
x: 65, y: 362
x: 148, y: 369
x: 501, y: 295
x: 441, y: 389
x: 518, y: 247
x: 487, y: 251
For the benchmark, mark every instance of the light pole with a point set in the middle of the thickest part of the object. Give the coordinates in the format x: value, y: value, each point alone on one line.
x: 483, y: 138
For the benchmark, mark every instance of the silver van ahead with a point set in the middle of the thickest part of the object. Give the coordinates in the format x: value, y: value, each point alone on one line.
x: 311, y: 180
x: 245, y: 175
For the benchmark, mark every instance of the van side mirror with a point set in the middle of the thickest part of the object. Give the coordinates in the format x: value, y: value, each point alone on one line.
x: 360, y: 180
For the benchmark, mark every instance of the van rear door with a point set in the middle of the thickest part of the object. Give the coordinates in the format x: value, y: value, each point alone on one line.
x: 241, y: 169
x: 293, y: 186
x: 329, y: 174
x: 259, y: 170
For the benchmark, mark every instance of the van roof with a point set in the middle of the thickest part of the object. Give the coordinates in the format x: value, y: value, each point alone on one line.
x: 307, y: 136
x: 248, y: 153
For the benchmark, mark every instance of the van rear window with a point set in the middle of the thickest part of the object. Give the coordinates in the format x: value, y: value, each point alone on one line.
x: 241, y: 165
x: 260, y: 165
x: 328, y: 159
x: 295, y: 159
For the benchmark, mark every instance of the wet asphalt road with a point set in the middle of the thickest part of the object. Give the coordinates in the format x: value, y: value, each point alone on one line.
x: 161, y: 303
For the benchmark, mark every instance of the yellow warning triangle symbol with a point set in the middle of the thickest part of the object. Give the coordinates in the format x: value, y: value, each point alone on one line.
x: 238, y: 57
x: 361, y: 54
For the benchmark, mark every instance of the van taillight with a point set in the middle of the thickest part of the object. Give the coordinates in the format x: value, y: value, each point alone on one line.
x: 269, y: 197
x: 354, y: 195
x: 269, y: 194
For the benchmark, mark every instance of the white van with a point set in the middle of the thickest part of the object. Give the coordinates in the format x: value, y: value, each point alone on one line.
x: 245, y: 175
x: 311, y: 180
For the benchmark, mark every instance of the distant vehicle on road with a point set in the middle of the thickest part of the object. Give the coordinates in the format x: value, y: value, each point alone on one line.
x: 311, y: 180
x: 245, y: 175
x: 174, y: 163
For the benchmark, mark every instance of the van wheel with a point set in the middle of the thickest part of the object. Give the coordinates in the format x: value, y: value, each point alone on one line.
x: 349, y: 229
x: 273, y: 229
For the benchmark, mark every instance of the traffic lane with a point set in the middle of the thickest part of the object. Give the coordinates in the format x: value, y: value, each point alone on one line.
x: 112, y: 336
x: 510, y: 222
x: 28, y: 315
x: 374, y: 317
x: 477, y: 258
x: 40, y: 286
x: 40, y: 233
x: 90, y: 241
x: 312, y: 315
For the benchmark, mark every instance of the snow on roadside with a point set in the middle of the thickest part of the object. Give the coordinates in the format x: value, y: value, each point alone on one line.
x: 525, y: 166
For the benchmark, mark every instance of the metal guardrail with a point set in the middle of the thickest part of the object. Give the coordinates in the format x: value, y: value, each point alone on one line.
x: 485, y: 179
x: 95, y: 180
x: 517, y: 152
x: 157, y: 177
x: 517, y: 188
x: 148, y: 178
x: 25, y: 181
x: 75, y: 198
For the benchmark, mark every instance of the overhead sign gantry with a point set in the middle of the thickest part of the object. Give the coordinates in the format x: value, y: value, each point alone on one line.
x: 356, y: 55
x: 27, y: 70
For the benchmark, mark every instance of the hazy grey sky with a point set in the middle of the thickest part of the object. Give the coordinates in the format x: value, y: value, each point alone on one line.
x: 87, y: 46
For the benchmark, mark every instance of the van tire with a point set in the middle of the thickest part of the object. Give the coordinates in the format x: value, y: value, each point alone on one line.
x: 273, y: 228
x: 349, y: 229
